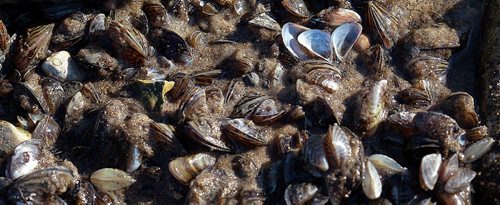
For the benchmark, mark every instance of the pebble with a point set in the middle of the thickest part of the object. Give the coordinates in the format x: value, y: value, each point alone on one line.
x: 61, y: 66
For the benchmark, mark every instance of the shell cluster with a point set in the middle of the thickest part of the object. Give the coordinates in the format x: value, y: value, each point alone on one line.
x: 236, y: 102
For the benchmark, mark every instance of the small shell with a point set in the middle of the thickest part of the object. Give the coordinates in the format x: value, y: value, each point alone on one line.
x: 109, y: 179
x: 267, y: 112
x: 186, y: 168
x: 317, y: 42
x: 133, y: 46
x: 372, y: 186
x: 478, y: 149
x: 337, y: 16
x: 460, y: 106
x: 299, y: 194
x: 415, y: 97
x: 4, y: 37
x: 344, y: 37
x: 429, y: 167
x: 459, y: 181
x: 385, y: 163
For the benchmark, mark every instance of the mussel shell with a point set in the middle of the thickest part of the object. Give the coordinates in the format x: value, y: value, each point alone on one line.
x: 337, y: 146
x: 299, y: 193
x: 296, y: 7
x: 429, y: 168
x: 133, y: 46
x: 267, y: 112
x: 290, y: 32
x: 337, y: 16
x: 317, y: 42
x: 173, y: 46
x: 33, y: 48
x: 43, y: 186
x: 247, y: 105
x: 184, y: 169
x: 344, y: 37
x: 460, y: 106
x: 47, y: 130
x: 372, y: 186
x: 206, y: 131
x: 156, y: 13
x: 315, y: 154
x: 163, y: 133
x: 382, y: 23
x: 245, y: 131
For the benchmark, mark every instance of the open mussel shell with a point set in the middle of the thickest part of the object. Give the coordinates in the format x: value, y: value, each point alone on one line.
x: 186, y: 168
x: 245, y: 131
x: 290, y: 32
x: 344, y: 37
x: 317, y: 42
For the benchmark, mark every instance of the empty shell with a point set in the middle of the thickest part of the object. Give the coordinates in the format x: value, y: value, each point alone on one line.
x: 344, y: 37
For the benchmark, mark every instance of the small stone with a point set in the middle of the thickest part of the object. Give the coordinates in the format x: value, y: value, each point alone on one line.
x: 61, y: 66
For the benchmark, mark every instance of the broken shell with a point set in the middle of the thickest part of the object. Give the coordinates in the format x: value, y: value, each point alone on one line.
x: 152, y: 93
x: 299, y: 194
x: 385, y: 163
x: 372, y: 186
x: 429, y: 167
x: 317, y: 42
x: 478, y: 149
x: 186, y: 168
x: 336, y: 17
x: 109, y: 179
x: 344, y: 37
